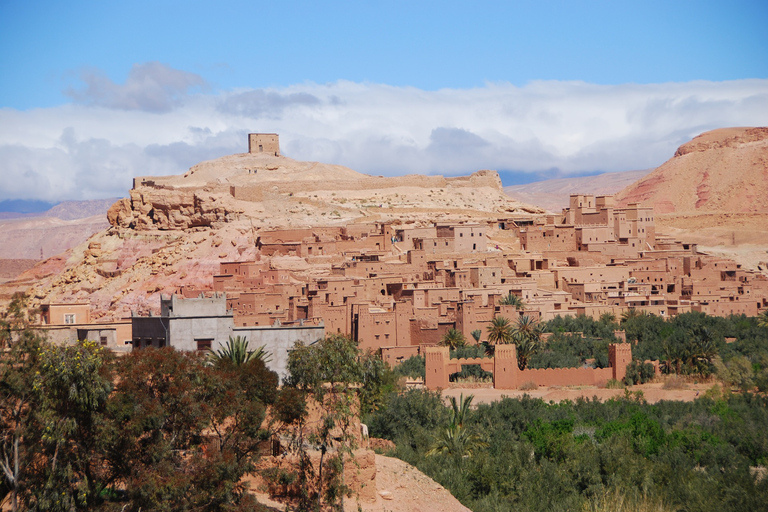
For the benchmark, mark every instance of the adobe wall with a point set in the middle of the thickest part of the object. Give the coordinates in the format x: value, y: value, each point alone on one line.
x: 507, y: 375
x: 566, y: 376
x: 274, y: 189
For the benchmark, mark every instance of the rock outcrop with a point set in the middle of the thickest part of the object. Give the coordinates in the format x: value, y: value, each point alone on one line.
x: 280, y: 191
x: 713, y: 192
x: 724, y: 171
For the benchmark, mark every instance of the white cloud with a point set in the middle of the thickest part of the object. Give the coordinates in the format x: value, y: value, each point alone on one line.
x: 154, y: 125
x: 150, y: 87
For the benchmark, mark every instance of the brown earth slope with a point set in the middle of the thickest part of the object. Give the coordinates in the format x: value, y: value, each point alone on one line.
x: 713, y: 192
x: 724, y: 171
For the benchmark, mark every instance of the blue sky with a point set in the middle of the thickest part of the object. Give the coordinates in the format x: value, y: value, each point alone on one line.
x: 94, y: 93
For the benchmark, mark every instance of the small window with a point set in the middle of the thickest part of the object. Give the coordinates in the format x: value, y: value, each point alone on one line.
x: 204, y: 344
x: 103, y: 341
x: 69, y: 318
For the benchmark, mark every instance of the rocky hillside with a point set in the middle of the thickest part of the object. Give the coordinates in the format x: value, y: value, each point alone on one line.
x: 713, y: 192
x: 173, y: 231
x: 724, y: 171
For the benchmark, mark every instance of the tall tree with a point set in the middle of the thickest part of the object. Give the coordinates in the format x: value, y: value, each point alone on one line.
x: 512, y: 300
x: 329, y: 371
x: 453, y: 339
x: 72, y: 387
x: 19, y: 360
x: 500, y: 331
x: 526, y: 334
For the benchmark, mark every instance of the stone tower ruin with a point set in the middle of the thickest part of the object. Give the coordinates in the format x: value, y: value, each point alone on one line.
x: 264, y: 143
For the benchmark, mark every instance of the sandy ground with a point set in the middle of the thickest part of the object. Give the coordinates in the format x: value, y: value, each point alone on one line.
x: 652, y: 393
x: 401, y: 488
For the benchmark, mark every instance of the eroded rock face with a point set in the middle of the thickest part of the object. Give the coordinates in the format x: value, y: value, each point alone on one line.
x: 723, y: 171
x: 164, y: 209
x: 723, y: 138
x: 279, y: 191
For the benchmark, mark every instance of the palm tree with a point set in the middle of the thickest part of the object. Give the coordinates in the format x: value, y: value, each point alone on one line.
x: 512, y: 300
x: 460, y: 409
x: 477, y: 333
x: 453, y: 339
x: 631, y: 314
x: 236, y: 352
x: 526, y: 335
x: 703, y: 349
x: 607, y: 318
x: 500, y: 331
x: 762, y: 319
x: 457, y: 440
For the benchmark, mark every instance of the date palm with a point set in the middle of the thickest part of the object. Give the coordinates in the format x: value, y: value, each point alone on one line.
x: 236, y: 352
x: 512, y: 300
x: 762, y: 319
x: 526, y: 334
x: 631, y: 314
x: 457, y: 440
x: 453, y: 339
x: 500, y: 331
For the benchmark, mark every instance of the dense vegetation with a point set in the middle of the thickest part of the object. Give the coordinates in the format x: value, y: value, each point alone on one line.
x: 524, y: 454
x: 174, y: 431
x: 164, y: 430
x: 688, y: 344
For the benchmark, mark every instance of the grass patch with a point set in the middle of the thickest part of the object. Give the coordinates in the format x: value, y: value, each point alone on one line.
x: 674, y: 382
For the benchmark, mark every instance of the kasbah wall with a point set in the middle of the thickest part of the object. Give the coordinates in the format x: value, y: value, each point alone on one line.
x: 507, y: 375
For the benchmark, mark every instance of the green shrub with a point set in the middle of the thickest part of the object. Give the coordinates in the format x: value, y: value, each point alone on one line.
x: 639, y: 373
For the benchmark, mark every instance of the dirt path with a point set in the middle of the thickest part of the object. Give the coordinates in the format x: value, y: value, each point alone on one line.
x: 652, y: 393
x: 400, y: 488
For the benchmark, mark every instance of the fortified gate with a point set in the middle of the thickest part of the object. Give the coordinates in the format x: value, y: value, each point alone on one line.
x: 507, y: 375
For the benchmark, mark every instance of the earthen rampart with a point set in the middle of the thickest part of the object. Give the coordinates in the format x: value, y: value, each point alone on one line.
x: 507, y: 375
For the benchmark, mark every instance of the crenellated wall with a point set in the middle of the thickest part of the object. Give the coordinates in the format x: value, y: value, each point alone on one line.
x: 507, y: 375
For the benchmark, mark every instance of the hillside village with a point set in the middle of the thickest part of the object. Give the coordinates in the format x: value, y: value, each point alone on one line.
x: 397, y: 288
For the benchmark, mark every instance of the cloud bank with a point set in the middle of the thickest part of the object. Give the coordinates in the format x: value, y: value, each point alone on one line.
x: 161, y: 121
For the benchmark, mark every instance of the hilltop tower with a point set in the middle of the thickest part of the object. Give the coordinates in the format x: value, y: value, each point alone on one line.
x: 264, y: 143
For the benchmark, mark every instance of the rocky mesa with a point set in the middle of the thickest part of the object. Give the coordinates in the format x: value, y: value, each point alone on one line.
x: 279, y: 191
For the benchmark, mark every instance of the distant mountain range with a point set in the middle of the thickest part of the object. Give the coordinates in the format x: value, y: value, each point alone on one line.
x: 553, y: 194
x: 40, y: 234
x: 65, y: 210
